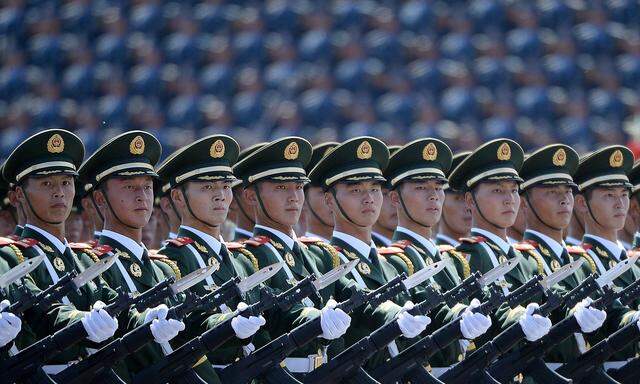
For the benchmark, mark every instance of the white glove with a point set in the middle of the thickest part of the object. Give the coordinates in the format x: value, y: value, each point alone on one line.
x: 410, y: 325
x: 589, y: 318
x: 636, y: 318
x: 472, y: 324
x: 334, y: 322
x: 10, y: 324
x: 245, y: 327
x: 99, y: 324
x: 162, y: 329
x: 533, y: 325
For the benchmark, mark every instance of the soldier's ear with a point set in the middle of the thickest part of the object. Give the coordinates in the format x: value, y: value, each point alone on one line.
x: 394, y: 195
x: 580, y: 203
x: 176, y: 195
x: 329, y: 200
x: 250, y: 195
x: 468, y: 199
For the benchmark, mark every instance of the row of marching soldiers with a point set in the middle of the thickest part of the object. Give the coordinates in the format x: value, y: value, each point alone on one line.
x: 492, y: 265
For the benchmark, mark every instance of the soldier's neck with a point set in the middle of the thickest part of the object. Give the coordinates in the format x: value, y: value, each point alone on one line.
x: 132, y: 233
x: 500, y: 232
x: 550, y: 232
x: 56, y: 230
x: 384, y: 231
x: 575, y: 230
x: 287, y: 229
x: 411, y: 225
x: 514, y: 234
x: 210, y: 230
x: 360, y: 233
x: 605, y: 233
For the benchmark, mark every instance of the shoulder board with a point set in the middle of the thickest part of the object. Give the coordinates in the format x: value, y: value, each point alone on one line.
x: 101, y: 250
x: 390, y: 250
x: 6, y: 241
x: 402, y: 244
x: 339, y: 249
x: 523, y: 247
x: 157, y: 256
x: 531, y: 242
x: 585, y: 246
x: 180, y: 241
x: 631, y: 253
x: 13, y: 237
x: 257, y: 241
x: 310, y: 240
x: 80, y: 246
x: 233, y: 245
x: 26, y: 242
x: 575, y: 249
x: 93, y: 243
x: 473, y: 239
x: 445, y: 247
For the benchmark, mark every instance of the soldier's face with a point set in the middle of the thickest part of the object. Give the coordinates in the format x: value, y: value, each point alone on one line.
x: 51, y: 197
x: 360, y: 201
x: 422, y: 199
x: 554, y: 205
x: 130, y: 198
x: 456, y: 212
x: 388, y: 218
x: 282, y: 201
x: 209, y: 200
x: 498, y: 201
x: 609, y: 206
x: 315, y: 200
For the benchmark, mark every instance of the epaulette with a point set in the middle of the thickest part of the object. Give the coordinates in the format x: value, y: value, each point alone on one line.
x: 310, y: 240
x: 102, y: 250
x: 580, y: 251
x: 473, y: 239
x: 533, y: 243
x: 26, y: 243
x: 257, y: 241
x: 6, y: 241
x: 396, y: 251
x: 575, y: 249
x: 13, y: 237
x: 532, y: 252
x: 80, y: 246
x: 401, y: 244
x: 459, y: 256
x: 164, y: 259
x: 180, y: 241
x: 239, y: 247
x: 93, y: 243
x: 445, y: 248
x: 586, y: 246
x: 17, y: 251
x: 523, y: 246
x: 233, y: 245
x: 333, y: 252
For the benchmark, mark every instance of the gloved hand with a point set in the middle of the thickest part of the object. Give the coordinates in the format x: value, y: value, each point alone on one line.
x: 472, y: 324
x: 246, y: 327
x: 334, y: 322
x: 589, y: 318
x: 99, y: 324
x: 635, y: 318
x: 10, y: 324
x: 533, y: 325
x: 162, y: 329
x: 410, y: 325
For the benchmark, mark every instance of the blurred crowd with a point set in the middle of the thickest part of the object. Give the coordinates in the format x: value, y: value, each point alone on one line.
x: 464, y: 71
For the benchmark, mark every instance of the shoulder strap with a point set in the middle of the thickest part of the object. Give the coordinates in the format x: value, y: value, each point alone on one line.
x: 180, y: 241
x: 395, y: 251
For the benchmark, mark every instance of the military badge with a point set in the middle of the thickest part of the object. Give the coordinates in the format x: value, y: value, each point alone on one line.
x: 364, y: 151
x: 364, y: 268
x: 55, y: 144
x: 136, y: 147
x: 288, y: 257
x: 504, y: 152
x: 135, y: 269
x: 58, y: 264
x: 217, y: 149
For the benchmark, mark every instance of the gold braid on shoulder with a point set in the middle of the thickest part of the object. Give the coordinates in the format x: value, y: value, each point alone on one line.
x: 173, y: 265
x: 250, y: 256
x: 405, y: 258
x: 93, y: 256
x: 466, y: 268
x: 335, y: 258
x: 589, y: 260
x: 18, y: 253
x: 538, y: 260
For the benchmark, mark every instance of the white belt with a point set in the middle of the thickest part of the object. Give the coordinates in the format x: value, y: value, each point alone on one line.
x: 304, y: 364
x: 55, y: 369
x: 438, y: 371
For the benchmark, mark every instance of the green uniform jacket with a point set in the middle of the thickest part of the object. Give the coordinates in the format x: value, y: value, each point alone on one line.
x: 236, y: 264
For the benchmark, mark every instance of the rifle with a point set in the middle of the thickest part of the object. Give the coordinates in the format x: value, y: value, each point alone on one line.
x: 172, y: 366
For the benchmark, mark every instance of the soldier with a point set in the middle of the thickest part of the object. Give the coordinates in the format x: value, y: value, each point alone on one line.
x: 489, y: 177
x: 573, y: 234
x: 319, y: 217
x: 351, y: 177
x: 416, y: 177
x: 547, y: 195
x: 43, y: 168
x: 200, y: 179
x: 21, y: 217
x: 273, y: 179
x: 455, y: 221
x: 8, y: 218
x: 388, y: 218
x: 92, y: 215
x: 634, y: 204
x: 240, y: 210
x: 169, y: 213
x: 120, y: 174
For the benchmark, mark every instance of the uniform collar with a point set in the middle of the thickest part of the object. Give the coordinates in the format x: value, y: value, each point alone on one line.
x: 60, y: 246
x: 614, y: 249
x: 127, y: 242
x: 384, y: 240
x: 244, y: 232
x: 426, y: 243
x: 173, y: 235
x: 511, y: 240
x: 213, y: 243
x: 449, y: 240
x: 555, y: 247
x: 286, y: 239
x: 502, y: 244
x: 360, y: 246
x: 97, y: 234
x: 572, y: 241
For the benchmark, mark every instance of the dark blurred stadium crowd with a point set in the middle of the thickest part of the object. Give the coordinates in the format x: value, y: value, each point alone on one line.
x: 465, y: 71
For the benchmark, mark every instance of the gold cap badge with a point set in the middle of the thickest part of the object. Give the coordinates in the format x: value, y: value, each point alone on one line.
x: 364, y: 151
x: 292, y: 151
x: 55, y: 144
x: 616, y: 159
x: 217, y: 149
x: 136, y: 147
x: 559, y: 158
x: 430, y: 152
x: 504, y: 152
